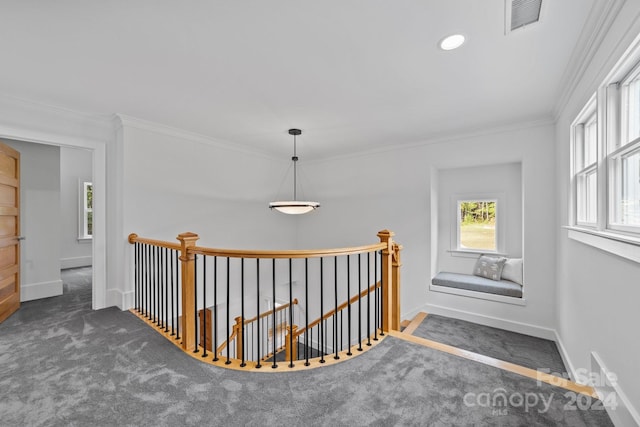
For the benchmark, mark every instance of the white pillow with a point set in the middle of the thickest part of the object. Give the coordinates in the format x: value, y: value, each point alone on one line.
x: 512, y: 270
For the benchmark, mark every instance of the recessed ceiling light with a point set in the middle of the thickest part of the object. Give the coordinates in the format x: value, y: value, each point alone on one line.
x: 451, y: 42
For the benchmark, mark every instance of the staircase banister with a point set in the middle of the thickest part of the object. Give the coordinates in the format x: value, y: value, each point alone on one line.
x: 307, y: 253
x: 341, y: 307
x: 134, y: 238
x: 269, y: 312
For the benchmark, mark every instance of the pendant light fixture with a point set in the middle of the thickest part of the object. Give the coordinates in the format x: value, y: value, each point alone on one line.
x: 294, y: 207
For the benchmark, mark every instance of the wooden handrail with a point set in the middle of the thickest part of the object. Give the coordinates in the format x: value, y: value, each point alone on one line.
x: 234, y: 334
x: 268, y: 312
x: 224, y: 344
x: 134, y: 238
x: 307, y: 253
x: 340, y: 308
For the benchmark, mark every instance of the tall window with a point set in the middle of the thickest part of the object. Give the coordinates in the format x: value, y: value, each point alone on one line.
x: 606, y: 157
x: 586, y: 167
x: 476, y: 225
x: 624, y: 159
x: 86, y: 210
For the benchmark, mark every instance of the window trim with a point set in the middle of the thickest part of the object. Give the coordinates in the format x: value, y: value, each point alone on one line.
x: 499, y: 198
x: 588, y: 114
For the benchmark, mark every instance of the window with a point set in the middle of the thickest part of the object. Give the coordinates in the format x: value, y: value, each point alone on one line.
x: 606, y: 157
x: 586, y: 167
x: 476, y: 225
x: 86, y: 210
x: 624, y: 159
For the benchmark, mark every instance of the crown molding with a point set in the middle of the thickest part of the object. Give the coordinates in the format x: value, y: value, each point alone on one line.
x: 445, y: 137
x: 36, y: 117
x: 601, y: 17
x: 124, y: 121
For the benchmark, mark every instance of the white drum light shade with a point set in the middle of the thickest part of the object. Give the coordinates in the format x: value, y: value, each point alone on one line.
x: 294, y: 207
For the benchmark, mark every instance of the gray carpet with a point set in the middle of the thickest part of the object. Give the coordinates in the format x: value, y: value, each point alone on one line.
x: 63, y: 364
x: 523, y: 350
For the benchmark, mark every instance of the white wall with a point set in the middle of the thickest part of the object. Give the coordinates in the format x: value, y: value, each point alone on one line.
x: 395, y: 189
x: 598, y: 292
x: 176, y: 182
x: 504, y: 180
x: 75, y: 168
x: 40, y: 219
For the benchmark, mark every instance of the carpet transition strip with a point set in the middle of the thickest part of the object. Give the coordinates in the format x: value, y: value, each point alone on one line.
x: 406, y: 335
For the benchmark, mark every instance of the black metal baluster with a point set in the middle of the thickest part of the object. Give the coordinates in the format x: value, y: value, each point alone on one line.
x: 258, y: 365
x: 291, y: 351
x: 135, y: 274
x: 159, y: 288
x: 158, y: 267
x: 306, y: 311
x: 204, y: 306
x: 143, y: 281
x: 335, y: 313
x: 177, y: 294
x: 149, y: 271
x: 349, y: 305
x: 382, y: 284
x: 273, y: 294
x: 321, y: 332
x: 172, y: 287
x: 242, y: 364
x: 152, y: 269
x: 369, y: 299
x: 375, y: 295
x: 214, y: 325
x: 166, y: 290
x: 228, y: 312
x: 359, y: 302
x: 195, y: 299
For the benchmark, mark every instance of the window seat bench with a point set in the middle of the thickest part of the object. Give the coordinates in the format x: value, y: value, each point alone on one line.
x: 478, y: 284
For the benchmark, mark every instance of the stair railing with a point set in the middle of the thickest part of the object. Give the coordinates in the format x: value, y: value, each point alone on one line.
x: 194, y: 294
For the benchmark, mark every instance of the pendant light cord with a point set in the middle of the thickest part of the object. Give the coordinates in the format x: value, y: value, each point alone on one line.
x: 295, y: 171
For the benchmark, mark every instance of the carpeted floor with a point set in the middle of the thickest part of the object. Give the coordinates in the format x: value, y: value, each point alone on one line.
x: 524, y: 350
x: 63, y: 364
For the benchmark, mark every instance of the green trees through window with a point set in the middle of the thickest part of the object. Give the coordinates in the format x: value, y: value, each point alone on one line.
x: 477, y: 225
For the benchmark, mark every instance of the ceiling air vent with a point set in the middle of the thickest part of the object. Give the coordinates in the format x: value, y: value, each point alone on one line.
x: 520, y: 13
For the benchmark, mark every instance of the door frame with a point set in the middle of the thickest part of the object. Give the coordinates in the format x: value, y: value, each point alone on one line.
x: 99, y: 155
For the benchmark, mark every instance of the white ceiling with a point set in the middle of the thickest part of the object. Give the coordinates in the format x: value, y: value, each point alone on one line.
x: 352, y: 74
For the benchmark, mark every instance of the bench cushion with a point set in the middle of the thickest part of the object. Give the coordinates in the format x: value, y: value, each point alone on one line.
x: 478, y: 284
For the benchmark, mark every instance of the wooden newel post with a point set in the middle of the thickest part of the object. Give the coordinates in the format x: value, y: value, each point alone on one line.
x: 239, y: 329
x: 390, y: 309
x: 188, y: 241
x: 395, y: 286
x: 291, y: 353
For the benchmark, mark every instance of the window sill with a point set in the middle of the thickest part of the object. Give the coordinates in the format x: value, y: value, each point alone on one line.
x: 85, y: 239
x: 618, y: 244
x: 473, y: 254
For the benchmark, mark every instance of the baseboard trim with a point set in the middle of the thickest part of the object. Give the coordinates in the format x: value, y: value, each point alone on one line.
x: 120, y: 299
x: 33, y: 291
x: 615, y: 401
x: 411, y: 314
x: 75, y: 262
x: 509, y: 325
x: 571, y: 370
